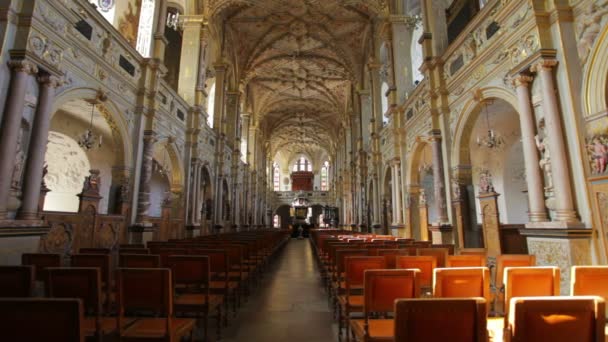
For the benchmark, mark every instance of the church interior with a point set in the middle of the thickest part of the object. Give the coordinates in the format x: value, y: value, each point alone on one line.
x: 303, y: 170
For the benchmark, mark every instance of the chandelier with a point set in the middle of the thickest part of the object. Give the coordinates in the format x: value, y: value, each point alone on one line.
x: 88, y: 140
x: 491, y: 140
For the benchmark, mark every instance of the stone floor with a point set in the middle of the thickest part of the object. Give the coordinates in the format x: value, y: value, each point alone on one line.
x: 289, y: 305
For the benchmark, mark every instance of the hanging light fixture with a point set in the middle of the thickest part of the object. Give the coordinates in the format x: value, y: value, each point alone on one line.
x: 88, y: 140
x: 492, y: 140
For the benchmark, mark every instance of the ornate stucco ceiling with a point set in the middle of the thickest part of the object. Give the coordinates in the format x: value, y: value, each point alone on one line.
x: 297, y: 62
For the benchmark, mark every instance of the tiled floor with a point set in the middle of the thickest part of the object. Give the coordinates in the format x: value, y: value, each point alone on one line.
x: 289, y: 305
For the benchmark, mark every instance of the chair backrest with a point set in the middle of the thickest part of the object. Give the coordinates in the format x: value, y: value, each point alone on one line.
x: 83, y: 283
x: 470, y: 260
x: 511, y: 260
x: 461, y: 282
x: 41, y: 261
x: 139, y: 260
x: 440, y: 253
x: 131, y: 245
x: 190, y: 270
x: 451, y: 248
x: 133, y: 251
x: 589, y: 281
x: 218, y: 261
x: 95, y: 251
x: 101, y: 261
x: 41, y: 319
x: 530, y: 281
x: 343, y: 253
x: 390, y: 255
x: 355, y: 267
x: 383, y: 287
x: 426, y: 264
x: 556, y: 319
x: 441, y: 319
x: 166, y: 252
x: 16, y: 281
x: 145, y: 289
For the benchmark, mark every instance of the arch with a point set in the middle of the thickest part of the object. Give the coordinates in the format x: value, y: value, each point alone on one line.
x: 176, y: 164
x: 116, y: 121
x: 468, y: 117
x: 416, y: 156
x: 595, y: 79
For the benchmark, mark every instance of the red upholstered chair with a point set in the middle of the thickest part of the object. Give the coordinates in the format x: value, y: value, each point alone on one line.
x: 381, y: 289
x: 462, y: 282
x: 139, y: 261
x: 41, y: 319
x: 83, y: 283
x: 441, y: 319
x: 471, y: 260
x: 530, y: 281
x: 426, y: 265
x: 148, y: 290
x: 16, y: 281
x: 556, y: 319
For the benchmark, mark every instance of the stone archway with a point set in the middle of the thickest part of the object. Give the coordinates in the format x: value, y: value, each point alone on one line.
x: 421, y: 206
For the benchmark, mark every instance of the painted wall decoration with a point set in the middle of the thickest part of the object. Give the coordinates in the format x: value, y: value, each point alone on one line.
x: 128, y: 23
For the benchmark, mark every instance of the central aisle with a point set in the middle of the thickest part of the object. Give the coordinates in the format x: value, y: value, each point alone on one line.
x: 289, y: 305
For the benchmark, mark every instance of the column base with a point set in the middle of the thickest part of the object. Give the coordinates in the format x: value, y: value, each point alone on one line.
x: 442, y: 233
x: 555, y: 225
x: 27, y: 216
x: 398, y: 230
x: 560, y: 247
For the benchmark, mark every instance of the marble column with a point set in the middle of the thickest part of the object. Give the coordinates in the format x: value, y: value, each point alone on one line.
x: 195, y: 191
x: 11, y: 124
x: 438, y: 178
x: 562, y: 187
x: 394, y: 208
x: 37, y: 148
x: 397, y: 189
x: 160, y: 42
x: 537, y: 211
x: 143, y: 198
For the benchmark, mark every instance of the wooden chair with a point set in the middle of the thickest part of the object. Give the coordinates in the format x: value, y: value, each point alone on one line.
x: 451, y: 248
x: 40, y: 261
x: 352, y: 299
x: 390, y: 255
x: 165, y: 253
x: 133, y: 251
x: 131, y: 245
x: 148, y: 290
x: 556, y: 319
x: 471, y: 260
x: 426, y: 265
x: 41, y: 319
x: 83, y: 283
x: 462, y: 282
x: 589, y: 281
x: 441, y: 319
x: 139, y: 261
x: 441, y: 254
x: 381, y: 289
x: 191, y: 275
x: 16, y: 281
x: 498, y: 286
x: 101, y: 261
x: 530, y: 281
x: 95, y: 251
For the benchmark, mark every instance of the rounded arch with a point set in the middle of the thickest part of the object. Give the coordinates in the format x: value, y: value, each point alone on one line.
x: 416, y: 156
x: 468, y: 117
x: 110, y: 111
x: 175, y: 160
x: 595, y: 79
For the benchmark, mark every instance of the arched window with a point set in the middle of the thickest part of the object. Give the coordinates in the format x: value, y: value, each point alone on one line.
x: 302, y: 164
x: 325, y: 176
x: 211, y: 105
x: 276, y: 177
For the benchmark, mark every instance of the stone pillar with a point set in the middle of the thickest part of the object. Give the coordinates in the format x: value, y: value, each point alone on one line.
x: 143, y: 198
x: 11, y: 124
x: 488, y: 202
x: 397, y: 190
x: 37, y: 149
x: 196, y: 198
x: 220, y: 94
x: 537, y: 210
x: 411, y: 208
x: 460, y: 207
x: 376, y: 202
x: 190, y: 57
x: 394, y: 195
x: 160, y: 42
x: 439, y: 178
x: 564, y: 207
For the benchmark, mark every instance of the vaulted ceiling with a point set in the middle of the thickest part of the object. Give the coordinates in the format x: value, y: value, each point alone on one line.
x: 297, y: 62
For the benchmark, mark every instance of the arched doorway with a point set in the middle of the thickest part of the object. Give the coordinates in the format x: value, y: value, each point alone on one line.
x: 284, y: 214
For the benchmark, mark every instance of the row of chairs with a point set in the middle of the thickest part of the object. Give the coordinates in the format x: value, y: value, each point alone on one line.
x: 160, y: 300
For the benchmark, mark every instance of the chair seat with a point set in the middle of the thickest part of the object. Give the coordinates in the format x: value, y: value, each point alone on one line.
x: 197, y: 299
x: 108, y: 325
x: 157, y: 328
x: 354, y: 302
x: 379, y: 329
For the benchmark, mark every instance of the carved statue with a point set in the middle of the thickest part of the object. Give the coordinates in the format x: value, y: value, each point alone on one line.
x: 589, y: 28
x: 456, y: 190
x: 485, y: 182
x: 422, y: 198
x: 599, y: 154
x: 91, y: 183
x: 542, y: 144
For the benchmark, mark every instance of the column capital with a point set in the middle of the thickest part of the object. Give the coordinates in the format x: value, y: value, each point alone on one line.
x: 49, y: 80
x: 543, y: 64
x: 220, y: 66
x: 23, y: 65
x: 522, y: 80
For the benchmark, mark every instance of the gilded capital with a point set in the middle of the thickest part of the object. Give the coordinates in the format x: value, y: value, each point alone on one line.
x: 544, y: 64
x: 49, y: 81
x: 522, y: 81
x: 23, y: 65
